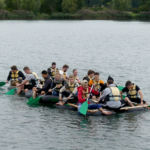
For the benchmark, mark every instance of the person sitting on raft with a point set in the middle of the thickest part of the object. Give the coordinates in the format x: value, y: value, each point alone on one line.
x: 111, y: 97
x: 132, y: 94
x: 63, y: 72
x: 52, y: 70
x: 58, y: 83
x: 69, y: 91
x: 29, y: 82
x: 98, y: 85
x: 45, y: 88
x: 84, y: 94
x: 15, y: 76
x: 75, y: 75
x: 89, y: 76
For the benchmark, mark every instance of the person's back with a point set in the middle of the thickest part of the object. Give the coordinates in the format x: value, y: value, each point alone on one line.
x: 111, y: 95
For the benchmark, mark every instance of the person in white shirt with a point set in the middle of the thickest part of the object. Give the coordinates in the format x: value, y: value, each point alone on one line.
x: 63, y: 71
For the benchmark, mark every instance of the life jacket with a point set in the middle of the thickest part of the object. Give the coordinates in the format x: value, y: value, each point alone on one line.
x: 15, y: 76
x: 59, y: 83
x: 53, y: 71
x: 115, y: 94
x: 132, y: 92
x: 36, y: 76
x: 64, y: 75
x: 71, y: 87
x: 85, y: 93
x: 96, y: 85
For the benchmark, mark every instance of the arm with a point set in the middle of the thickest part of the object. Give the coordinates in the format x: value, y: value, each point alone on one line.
x: 21, y: 75
x: 104, y: 94
x: 73, y: 93
x: 60, y: 93
x: 46, y: 86
x: 121, y: 94
x: 141, y: 96
x: 9, y: 76
x: 80, y: 99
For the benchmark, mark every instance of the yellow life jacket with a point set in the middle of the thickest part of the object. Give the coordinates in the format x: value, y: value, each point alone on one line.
x: 132, y: 92
x: 64, y: 75
x: 85, y: 93
x: 53, y: 71
x: 115, y: 94
x: 96, y: 85
x: 36, y: 76
x: 71, y: 86
x: 14, y: 76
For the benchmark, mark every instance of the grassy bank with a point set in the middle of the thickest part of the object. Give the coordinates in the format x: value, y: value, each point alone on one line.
x: 83, y: 14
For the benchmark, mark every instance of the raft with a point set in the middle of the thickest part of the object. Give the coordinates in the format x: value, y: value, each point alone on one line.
x: 49, y: 100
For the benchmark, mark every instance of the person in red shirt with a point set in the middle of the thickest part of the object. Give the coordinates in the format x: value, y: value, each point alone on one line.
x: 84, y: 92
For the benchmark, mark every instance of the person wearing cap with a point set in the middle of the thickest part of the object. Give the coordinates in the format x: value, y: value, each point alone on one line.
x: 111, y: 97
x: 52, y: 70
x: 98, y: 84
x: 63, y: 71
x: 15, y: 76
x: 69, y: 91
x: 84, y: 92
x: 29, y: 82
x: 89, y: 76
x: 132, y: 94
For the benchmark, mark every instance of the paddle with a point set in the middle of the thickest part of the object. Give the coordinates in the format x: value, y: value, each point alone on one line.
x: 2, y: 83
x: 84, y: 107
x: 34, y: 101
x: 11, y: 92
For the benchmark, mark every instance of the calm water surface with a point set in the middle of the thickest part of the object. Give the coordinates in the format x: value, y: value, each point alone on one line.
x: 120, y: 49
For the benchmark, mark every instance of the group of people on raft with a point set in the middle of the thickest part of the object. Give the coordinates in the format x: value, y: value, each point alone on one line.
x: 70, y: 89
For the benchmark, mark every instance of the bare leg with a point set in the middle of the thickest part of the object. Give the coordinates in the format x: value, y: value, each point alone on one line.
x: 105, y: 112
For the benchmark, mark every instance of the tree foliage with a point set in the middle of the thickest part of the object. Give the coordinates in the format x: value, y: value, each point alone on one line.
x: 71, y: 6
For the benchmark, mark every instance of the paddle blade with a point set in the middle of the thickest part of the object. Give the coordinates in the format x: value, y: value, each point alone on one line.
x: 33, y: 101
x: 11, y: 92
x: 2, y: 83
x: 84, y: 108
x: 120, y: 88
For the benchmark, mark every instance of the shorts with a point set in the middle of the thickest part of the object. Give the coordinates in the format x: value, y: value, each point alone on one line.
x: 29, y: 87
x: 136, y: 100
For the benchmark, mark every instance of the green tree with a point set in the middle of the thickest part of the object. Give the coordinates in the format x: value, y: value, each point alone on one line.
x: 49, y: 6
x: 121, y: 4
x: 69, y: 6
x: 31, y: 5
x: 2, y: 4
x: 13, y: 4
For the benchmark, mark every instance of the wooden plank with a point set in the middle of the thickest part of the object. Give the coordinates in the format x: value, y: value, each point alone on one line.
x: 135, y: 107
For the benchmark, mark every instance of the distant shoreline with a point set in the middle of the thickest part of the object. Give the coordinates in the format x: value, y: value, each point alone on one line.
x: 84, y: 14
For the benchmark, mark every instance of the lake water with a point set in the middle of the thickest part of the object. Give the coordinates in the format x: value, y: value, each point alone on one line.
x: 119, y: 49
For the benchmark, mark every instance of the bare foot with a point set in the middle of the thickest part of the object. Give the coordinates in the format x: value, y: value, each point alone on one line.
x: 60, y: 103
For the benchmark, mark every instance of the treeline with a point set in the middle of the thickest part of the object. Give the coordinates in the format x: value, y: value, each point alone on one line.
x: 74, y: 9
